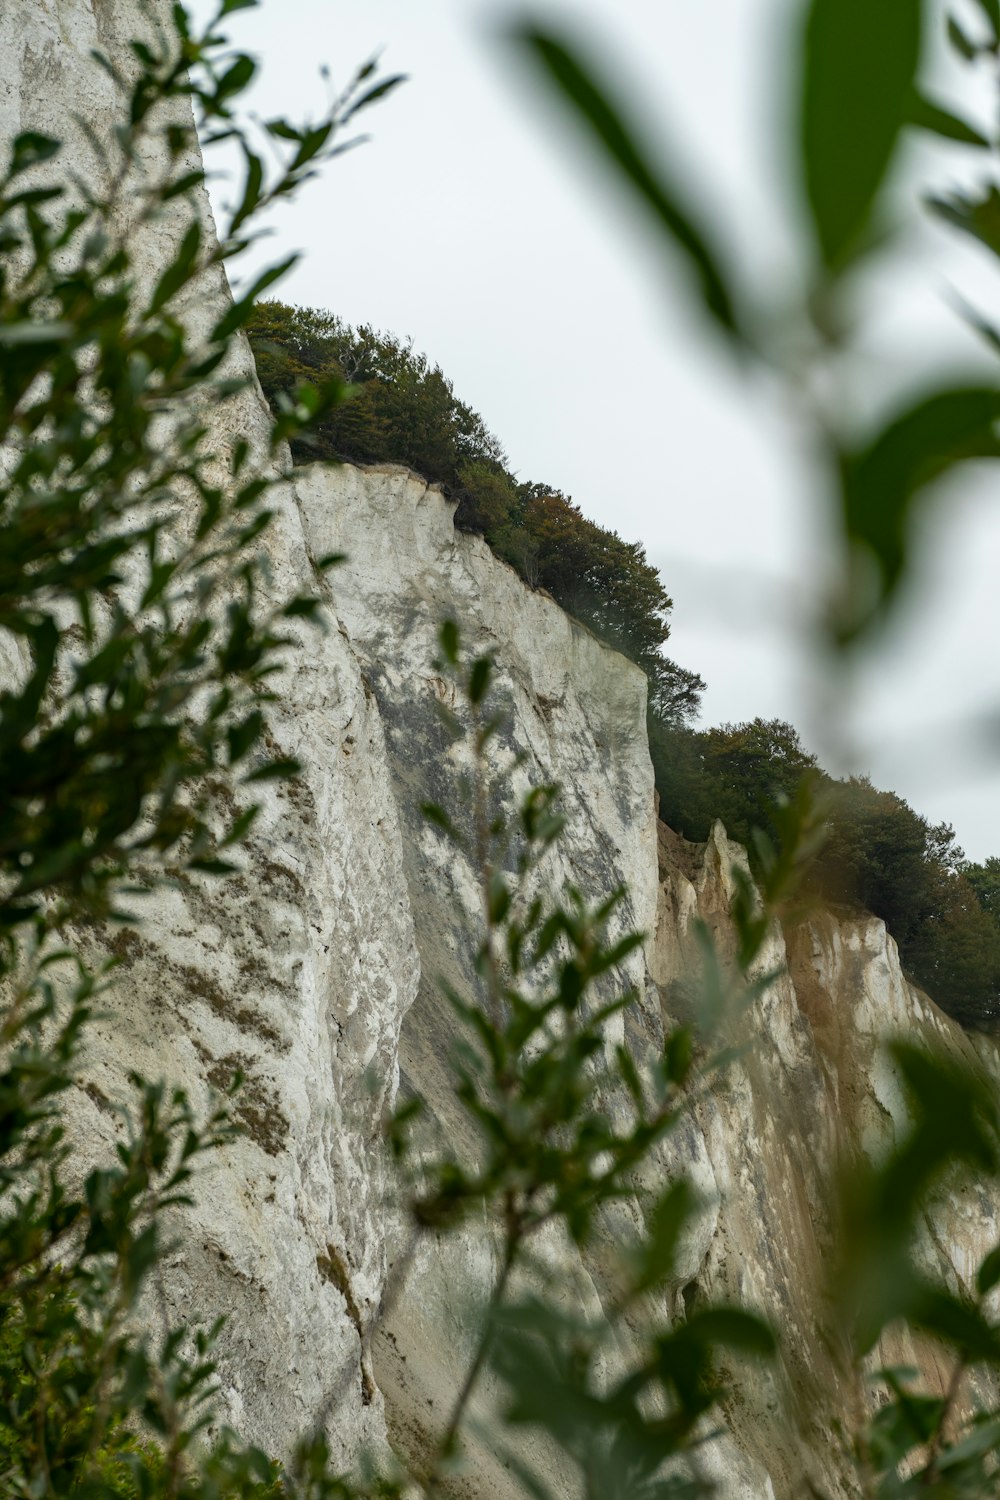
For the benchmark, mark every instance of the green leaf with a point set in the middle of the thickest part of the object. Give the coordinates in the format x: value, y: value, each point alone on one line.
x: 237, y: 77
x: 479, y: 678
x: 377, y: 91
x: 437, y: 815
x: 240, y: 311
x: 179, y: 272
x: 282, y: 131
x: 988, y: 1275
x: 859, y: 67
x: 184, y: 184
x: 964, y: 1327
x: 499, y: 897
x: 881, y: 483
x: 927, y: 115
x: 242, y: 736
x: 679, y: 1055
x: 593, y: 102
x: 240, y: 826
x: 962, y: 43
x: 991, y: 11
x: 251, y: 191
x: 304, y: 607
x: 448, y: 640
x: 979, y: 217
x: 984, y: 1438
x: 30, y: 148
x: 212, y: 866
x: 668, y: 1222
x: 279, y: 769
x: 735, y: 1329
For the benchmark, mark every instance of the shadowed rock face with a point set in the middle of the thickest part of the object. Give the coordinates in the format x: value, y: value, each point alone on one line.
x: 316, y: 971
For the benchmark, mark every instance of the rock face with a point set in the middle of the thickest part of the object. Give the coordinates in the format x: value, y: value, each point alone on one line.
x: 298, y: 972
x: 316, y: 971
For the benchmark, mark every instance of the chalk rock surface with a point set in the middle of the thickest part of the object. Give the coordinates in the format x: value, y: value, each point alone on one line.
x: 316, y: 971
x: 296, y: 973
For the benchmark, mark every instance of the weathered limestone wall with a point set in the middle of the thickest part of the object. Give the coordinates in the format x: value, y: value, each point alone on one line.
x: 816, y: 1083
x: 576, y: 714
x: 299, y: 971
x: 816, y: 1088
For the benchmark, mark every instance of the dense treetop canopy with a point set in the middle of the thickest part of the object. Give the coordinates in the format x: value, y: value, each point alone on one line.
x: 878, y: 855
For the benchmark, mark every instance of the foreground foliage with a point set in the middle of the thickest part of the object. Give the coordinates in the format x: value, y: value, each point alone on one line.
x: 140, y: 640
x: 145, y: 645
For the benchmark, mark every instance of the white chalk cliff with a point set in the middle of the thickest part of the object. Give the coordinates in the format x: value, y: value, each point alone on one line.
x: 316, y: 970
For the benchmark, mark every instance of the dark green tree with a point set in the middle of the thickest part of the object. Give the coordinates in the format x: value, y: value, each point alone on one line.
x: 985, y: 881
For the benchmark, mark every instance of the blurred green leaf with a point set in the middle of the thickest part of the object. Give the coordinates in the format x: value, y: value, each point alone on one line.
x: 449, y: 641
x: 881, y: 482
x: 991, y: 11
x: 988, y: 1275
x: 977, y: 216
x: 480, y: 674
x: 927, y: 115
x: 279, y: 769
x: 593, y: 102
x: 859, y: 66
x: 964, y: 1328
x: 666, y: 1224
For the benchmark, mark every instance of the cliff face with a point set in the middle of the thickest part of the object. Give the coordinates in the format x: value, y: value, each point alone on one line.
x: 316, y: 971
x: 298, y: 972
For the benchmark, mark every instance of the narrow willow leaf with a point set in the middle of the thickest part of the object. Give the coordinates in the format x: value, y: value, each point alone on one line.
x: 593, y: 102
x: 881, y: 483
x: 927, y: 115
x: 377, y: 91
x: 988, y: 1275
x: 979, y: 217
x: 991, y: 10
x: 859, y: 67
x: 179, y: 272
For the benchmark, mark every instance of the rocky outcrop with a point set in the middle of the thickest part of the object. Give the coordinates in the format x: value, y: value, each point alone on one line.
x: 316, y: 971
x: 575, y: 714
x: 815, y: 1085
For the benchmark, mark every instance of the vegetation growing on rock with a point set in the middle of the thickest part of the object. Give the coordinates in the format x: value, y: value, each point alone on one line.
x: 880, y: 854
x: 405, y: 411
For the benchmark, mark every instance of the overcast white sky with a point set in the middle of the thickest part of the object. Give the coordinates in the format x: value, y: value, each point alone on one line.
x: 474, y: 223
